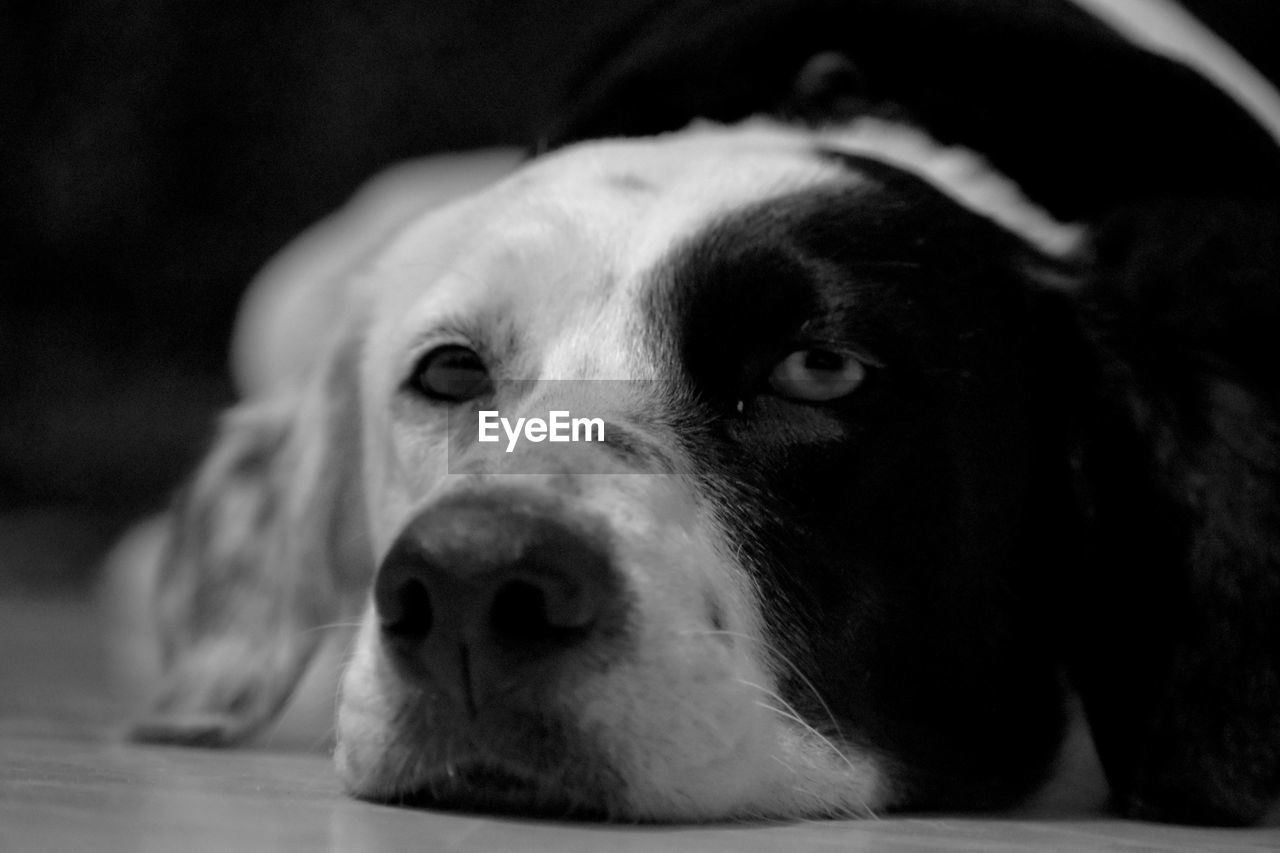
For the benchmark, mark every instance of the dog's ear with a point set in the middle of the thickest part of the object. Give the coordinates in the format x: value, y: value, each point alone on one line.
x: 829, y: 88
x: 262, y: 548
x: 1177, y: 650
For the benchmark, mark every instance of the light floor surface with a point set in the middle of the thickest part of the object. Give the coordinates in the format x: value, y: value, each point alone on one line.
x: 69, y: 783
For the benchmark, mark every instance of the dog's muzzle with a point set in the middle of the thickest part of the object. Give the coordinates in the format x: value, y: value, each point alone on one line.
x: 486, y: 594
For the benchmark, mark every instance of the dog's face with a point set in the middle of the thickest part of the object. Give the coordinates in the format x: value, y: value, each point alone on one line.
x: 798, y: 574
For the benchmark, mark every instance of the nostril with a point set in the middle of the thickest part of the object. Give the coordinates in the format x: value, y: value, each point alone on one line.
x: 539, y: 610
x: 476, y: 589
x: 519, y: 611
x: 407, y: 613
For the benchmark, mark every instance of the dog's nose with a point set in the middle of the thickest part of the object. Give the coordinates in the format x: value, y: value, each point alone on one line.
x: 481, y: 590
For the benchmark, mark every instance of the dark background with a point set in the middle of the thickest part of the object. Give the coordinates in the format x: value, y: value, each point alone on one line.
x: 154, y: 153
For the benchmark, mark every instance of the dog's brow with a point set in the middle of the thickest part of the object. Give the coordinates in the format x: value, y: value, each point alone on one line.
x: 495, y: 343
x: 632, y: 446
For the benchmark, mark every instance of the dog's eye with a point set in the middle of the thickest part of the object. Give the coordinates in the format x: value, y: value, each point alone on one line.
x: 452, y: 373
x: 817, y: 375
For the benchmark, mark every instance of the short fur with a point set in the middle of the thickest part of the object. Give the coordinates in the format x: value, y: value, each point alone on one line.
x: 1062, y: 470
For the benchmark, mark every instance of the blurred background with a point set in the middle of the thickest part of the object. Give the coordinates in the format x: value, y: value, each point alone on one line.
x: 154, y: 154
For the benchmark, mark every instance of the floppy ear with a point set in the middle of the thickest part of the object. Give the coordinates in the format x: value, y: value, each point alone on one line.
x: 261, y: 550
x: 828, y: 88
x: 1177, y: 657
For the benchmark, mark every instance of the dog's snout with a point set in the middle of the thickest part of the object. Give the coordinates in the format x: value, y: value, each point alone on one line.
x: 478, y: 589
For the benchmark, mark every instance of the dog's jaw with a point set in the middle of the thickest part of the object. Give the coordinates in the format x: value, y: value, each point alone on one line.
x: 681, y: 720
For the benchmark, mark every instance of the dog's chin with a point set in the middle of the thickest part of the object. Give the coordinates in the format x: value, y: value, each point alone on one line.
x: 494, y: 786
x: 498, y: 760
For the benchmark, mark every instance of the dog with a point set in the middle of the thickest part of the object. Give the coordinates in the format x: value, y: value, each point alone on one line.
x: 893, y: 461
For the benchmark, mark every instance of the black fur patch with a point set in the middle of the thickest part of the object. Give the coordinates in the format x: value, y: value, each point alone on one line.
x: 904, y: 536
x: 1176, y: 646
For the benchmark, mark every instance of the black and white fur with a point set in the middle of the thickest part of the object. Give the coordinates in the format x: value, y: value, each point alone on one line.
x: 1059, y: 472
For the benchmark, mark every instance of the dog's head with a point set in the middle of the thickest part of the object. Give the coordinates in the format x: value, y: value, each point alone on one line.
x: 784, y: 581
x: 797, y: 576
x: 868, y: 468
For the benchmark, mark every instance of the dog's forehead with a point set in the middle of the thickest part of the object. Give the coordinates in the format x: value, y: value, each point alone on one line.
x: 562, y: 247
x: 628, y: 193
x: 628, y: 200
x: 566, y: 242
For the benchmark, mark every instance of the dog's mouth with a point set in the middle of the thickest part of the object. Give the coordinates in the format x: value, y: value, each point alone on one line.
x: 489, y: 785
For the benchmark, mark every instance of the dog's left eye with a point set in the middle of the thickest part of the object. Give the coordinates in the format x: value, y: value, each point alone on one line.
x: 817, y: 375
x: 451, y: 373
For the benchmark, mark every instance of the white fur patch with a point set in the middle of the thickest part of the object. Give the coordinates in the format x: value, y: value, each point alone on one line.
x: 963, y: 175
x: 1164, y: 27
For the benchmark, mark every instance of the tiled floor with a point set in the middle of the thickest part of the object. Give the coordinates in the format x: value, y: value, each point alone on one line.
x: 67, y: 783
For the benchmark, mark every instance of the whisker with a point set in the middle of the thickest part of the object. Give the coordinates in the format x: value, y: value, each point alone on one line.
x: 789, y: 713
x: 327, y: 737
x: 344, y: 657
x: 787, y: 709
x: 328, y: 627
x: 776, y: 654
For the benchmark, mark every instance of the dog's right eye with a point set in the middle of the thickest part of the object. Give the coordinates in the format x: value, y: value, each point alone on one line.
x: 451, y: 373
x: 817, y: 375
